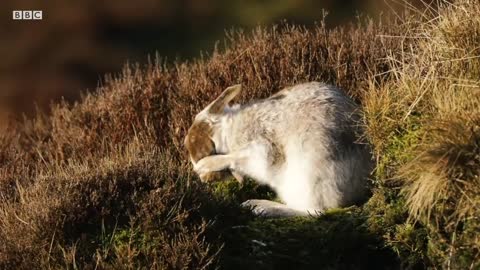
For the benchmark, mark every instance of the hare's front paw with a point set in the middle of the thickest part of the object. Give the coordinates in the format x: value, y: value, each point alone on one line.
x: 213, y: 163
x: 215, y: 176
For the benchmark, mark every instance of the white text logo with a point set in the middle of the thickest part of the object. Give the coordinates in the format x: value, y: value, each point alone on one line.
x: 27, y: 14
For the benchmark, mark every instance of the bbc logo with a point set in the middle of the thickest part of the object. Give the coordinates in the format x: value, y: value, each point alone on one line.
x: 27, y: 14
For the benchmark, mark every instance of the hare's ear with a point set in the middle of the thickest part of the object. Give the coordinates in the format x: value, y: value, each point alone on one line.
x: 217, y: 106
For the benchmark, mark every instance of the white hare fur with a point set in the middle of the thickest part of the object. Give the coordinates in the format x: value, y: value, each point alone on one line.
x: 302, y: 142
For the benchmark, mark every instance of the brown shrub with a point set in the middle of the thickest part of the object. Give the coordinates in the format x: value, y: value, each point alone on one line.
x: 69, y: 215
x: 168, y: 97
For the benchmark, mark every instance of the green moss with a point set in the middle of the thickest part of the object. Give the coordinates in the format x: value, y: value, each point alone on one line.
x: 232, y: 191
x: 398, y: 148
x: 112, y: 244
x: 386, y: 210
x: 128, y: 237
x: 339, y: 239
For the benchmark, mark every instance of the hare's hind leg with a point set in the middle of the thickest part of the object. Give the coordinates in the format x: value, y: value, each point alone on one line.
x: 271, y: 209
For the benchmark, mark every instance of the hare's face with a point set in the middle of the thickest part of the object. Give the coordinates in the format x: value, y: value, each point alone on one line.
x: 199, y: 140
x: 199, y: 145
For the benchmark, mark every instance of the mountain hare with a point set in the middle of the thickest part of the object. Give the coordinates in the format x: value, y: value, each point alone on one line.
x: 301, y: 141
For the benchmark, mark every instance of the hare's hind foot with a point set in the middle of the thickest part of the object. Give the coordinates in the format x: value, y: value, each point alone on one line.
x: 271, y: 209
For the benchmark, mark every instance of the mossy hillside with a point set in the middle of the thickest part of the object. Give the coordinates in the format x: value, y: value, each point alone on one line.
x: 339, y: 239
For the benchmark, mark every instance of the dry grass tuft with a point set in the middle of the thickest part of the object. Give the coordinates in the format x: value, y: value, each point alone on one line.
x: 425, y: 128
x: 443, y: 189
x: 446, y: 167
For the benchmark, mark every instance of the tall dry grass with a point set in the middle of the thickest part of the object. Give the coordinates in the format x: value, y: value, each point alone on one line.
x: 433, y: 106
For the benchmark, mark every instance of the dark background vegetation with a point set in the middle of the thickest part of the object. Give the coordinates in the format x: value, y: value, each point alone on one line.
x: 77, y: 42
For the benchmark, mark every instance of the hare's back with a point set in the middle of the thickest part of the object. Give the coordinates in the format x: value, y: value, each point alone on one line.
x: 314, y: 102
x: 301, y: 112
x: 317, y: 115
x: 310, y: 92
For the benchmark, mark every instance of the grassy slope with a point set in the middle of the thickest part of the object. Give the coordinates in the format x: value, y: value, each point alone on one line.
x: 105, y: 183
